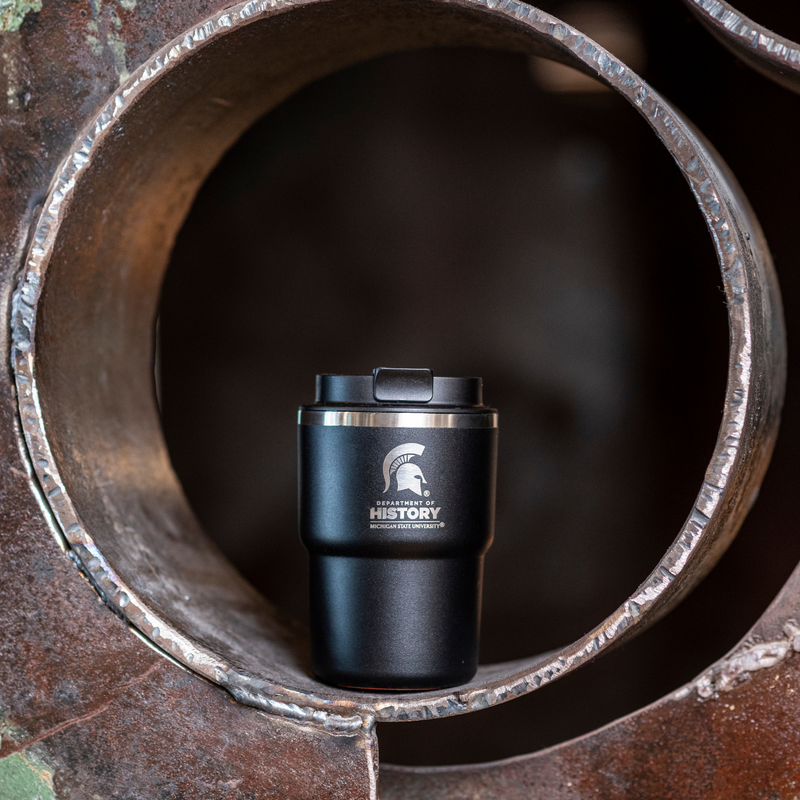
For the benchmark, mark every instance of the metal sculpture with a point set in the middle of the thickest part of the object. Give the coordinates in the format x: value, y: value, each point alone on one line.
x: 138, y: 632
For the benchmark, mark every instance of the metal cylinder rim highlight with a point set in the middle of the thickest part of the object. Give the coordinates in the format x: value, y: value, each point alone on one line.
x: 406, y: 418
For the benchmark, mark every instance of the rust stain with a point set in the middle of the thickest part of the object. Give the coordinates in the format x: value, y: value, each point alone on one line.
x: 81, y: 719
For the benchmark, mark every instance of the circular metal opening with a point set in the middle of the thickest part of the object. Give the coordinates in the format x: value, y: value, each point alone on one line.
x: 85, y: 311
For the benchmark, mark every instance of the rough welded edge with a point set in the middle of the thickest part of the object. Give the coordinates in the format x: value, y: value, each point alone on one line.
x: 349, y: 712
x: 748, y: 657
x: 734, y: 28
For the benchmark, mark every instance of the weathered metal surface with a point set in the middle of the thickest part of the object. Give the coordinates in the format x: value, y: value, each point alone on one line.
x: 743, y: 744
x: 87, y: 708
x: 142, y: 102
x: 770, y: 53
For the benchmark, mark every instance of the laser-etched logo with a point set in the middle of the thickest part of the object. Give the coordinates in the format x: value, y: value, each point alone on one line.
x: 397, y: 465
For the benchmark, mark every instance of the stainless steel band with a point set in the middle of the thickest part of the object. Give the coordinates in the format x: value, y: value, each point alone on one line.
x: 396, y: 419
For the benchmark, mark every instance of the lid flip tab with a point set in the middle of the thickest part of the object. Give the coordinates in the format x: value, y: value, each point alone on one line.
x: 391, y: 385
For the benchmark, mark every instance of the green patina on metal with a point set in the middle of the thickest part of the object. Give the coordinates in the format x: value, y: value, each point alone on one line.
x: 24, y: 776
x: 13, y: 12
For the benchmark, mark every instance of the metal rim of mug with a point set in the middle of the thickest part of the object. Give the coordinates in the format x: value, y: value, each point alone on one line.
x: 94, y: 443
x: 396, y: 419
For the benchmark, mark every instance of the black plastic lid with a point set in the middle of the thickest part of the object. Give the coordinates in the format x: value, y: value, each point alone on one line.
x: 392, y: 386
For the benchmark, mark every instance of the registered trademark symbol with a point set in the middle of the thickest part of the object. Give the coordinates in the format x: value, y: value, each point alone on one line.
x: 427, y: 493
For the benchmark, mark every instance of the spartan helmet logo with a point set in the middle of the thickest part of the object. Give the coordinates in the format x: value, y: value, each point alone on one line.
x: 397, y: 462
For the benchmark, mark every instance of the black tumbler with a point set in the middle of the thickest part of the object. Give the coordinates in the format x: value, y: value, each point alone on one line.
x: 397, y: 496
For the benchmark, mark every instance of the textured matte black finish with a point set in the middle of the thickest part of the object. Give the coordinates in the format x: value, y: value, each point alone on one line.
x: 397, y: 521
x: 395, y: 623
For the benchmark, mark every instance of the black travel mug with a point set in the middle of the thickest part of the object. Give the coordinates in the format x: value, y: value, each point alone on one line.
x: 397, y: 495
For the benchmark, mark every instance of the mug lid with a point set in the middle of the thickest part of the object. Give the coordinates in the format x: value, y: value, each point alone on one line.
x: 399, y: 386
